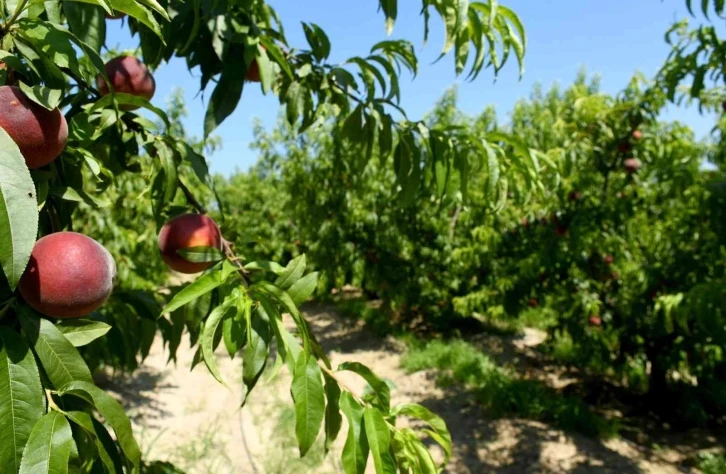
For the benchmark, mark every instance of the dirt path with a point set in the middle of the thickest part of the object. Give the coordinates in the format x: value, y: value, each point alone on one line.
x: 189, y: 419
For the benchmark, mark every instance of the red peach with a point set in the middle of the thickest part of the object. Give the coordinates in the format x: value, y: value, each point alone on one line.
x: 69, y: 275
x: 128, y: 76
x: 187, y: 231
x: 632, y: 165
x: 41, y: 134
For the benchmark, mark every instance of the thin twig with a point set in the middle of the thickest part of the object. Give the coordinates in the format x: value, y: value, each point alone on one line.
x: 452, y: 225
x: 190, y: 197
x: 81, y: 83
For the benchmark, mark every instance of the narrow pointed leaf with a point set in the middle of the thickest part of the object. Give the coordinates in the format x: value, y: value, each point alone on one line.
x: 256, y: 351
x: 22, y: 398
x: 203, y: 285
x: 81, y: 332
x: 18, y: 211
x: 49, y: 447
x: 333, y: 419
x: 379, y: 440
x: 60, y: 360
x: 208, y: 335
x: 355, y: 451
x: 301, y: 290
x: 113, y: 414
x: 309, y: 398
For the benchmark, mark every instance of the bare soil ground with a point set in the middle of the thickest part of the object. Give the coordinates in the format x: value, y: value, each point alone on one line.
x: 190, y: 419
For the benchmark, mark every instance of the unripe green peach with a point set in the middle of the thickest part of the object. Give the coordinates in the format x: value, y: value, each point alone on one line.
x: 69, y: 275
x: 187, y: 231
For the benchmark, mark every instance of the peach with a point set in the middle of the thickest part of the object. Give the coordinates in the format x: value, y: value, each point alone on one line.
x: 69, y: 275
x: 128, y: 75
x: 41, y: 134
x: 253, y: 73
x: 632, y: 165
x: 186, y: 231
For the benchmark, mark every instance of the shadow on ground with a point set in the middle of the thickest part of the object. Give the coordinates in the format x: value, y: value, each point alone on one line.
x: 482, y: 444
x: 515, y: 445
x: 136, y: 391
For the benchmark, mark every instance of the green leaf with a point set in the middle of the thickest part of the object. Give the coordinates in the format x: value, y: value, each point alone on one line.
x: 45, y: 66
x: 333, y: 419
x: 81, y: 332
x: 128, y: 99
x: 309, y: 398
x: 201, y: 254
x: 294, y: 270
x: 271, y: 267
x: 49, y: 447
x: 210, y: 280
x: 270, y: 309
x: 380, y: 388
x: 426, y: 461
x: 22, y: 398
x: 355, y: 451
x: 301, y: 290
x: 265, y: 68
x: 168, y: 166
x: 284, y: 299
x: 226, y: 94
x: 210, y: 330
x: 43, y: 96
x: 390, y: 9
x: 318, y: 41
x: 440, y: 432
x: 256, y: 351
x: 295, y: 102
x: 60, y: 360
x: 87, y: 22
x: 114, y: 415
x: 135, y: 9
x: 276, y: 53
x: 379, y: 439
x: 78, y: 195
x: 18, y: 211
x: 233, y: 333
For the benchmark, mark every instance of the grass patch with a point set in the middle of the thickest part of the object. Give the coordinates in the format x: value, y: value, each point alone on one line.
x: 537, y: 318
x: 712, y: 463
x: 500, y: 391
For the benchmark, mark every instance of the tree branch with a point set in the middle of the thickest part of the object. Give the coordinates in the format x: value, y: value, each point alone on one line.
x: 190, y: 197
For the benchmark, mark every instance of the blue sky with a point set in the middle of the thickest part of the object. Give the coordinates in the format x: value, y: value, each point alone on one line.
x: 612, y: 38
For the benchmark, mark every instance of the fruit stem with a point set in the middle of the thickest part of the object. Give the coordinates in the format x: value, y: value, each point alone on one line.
x: 6, y: 307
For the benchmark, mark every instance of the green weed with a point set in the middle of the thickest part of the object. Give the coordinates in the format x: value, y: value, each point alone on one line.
x: 712, y: 464
x: 500, y: 392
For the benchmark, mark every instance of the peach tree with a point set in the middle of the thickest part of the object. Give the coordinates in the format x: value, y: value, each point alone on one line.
x: 77, y: 142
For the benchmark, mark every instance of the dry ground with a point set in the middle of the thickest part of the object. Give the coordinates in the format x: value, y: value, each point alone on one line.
x: 188, y: 418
